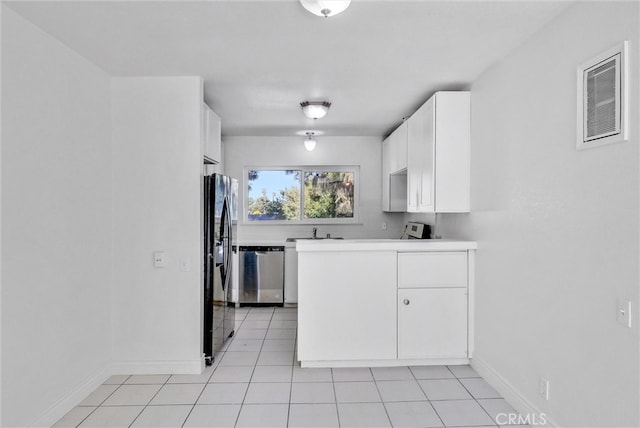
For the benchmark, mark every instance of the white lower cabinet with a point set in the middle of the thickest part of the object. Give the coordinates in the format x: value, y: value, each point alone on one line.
x: 432, y: 304
x: 384, y: 308
x: 432, y: 323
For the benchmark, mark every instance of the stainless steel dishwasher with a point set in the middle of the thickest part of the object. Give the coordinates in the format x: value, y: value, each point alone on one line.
x: 261, y: 275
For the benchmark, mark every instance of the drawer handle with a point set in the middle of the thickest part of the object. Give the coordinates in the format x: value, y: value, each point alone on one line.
x: 406, y: 302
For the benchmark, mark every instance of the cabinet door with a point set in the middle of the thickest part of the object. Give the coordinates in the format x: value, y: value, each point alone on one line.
x: 386, y: 162
x: 420, y: 159
x: 346, y: 305
x: 398, y: 149
x: 432, y: 323
x: 394, y: 186
x: 290, y: 275
x: 426, y: 155
x: 413, y: 164
x: 452, y: 124
x: 204, y: 128
x: 394, y: 170
x: 214, y: 144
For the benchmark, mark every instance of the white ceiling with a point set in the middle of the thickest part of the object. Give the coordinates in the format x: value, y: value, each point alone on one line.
x: 376, y: 62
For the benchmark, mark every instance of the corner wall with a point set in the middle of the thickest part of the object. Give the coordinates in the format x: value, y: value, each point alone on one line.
x: 557, y: 228
x: 56, y: 225
x: 157, y: 168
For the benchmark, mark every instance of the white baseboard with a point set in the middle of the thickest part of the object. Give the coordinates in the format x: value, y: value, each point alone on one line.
x: 59, y: 409
x: 518, y: 401
x: 158, y: 367
x: 384, y: 363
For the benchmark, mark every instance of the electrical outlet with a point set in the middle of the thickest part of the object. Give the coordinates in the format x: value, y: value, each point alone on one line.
x: 624, y: 312
x: 185, y: 265
x: 159, y: 259
x: 544, y: 388
x: 384, y: 225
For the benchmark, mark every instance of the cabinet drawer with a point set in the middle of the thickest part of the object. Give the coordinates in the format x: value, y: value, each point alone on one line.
x: 432, y: 269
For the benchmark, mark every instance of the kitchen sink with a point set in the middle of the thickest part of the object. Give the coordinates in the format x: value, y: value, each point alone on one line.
x: 313, y: 239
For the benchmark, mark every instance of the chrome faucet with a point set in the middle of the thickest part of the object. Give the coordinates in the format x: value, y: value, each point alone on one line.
x: 315, y: 232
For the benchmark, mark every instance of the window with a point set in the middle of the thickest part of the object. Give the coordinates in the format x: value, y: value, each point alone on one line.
x: 302, y: 195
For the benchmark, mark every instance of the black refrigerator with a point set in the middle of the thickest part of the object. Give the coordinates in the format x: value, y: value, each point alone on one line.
x: 220, y: 205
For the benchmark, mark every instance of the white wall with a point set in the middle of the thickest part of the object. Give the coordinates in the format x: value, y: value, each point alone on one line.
x: 365, y: 152
x: 557, y: 228
x: 157, y: 166
x: 56, y: 225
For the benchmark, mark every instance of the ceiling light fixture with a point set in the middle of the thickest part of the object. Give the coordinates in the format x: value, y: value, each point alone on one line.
x: 310, y: 142
x: 325, y: 8
x: 315, y: 109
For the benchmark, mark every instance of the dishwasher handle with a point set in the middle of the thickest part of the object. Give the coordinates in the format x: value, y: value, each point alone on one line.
x: 261, y: 248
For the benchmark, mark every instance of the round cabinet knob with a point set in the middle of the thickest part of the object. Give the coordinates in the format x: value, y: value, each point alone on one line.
x: 406, y: 301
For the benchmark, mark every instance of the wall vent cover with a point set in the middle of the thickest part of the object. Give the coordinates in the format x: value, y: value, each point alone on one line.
x: 602, y: 100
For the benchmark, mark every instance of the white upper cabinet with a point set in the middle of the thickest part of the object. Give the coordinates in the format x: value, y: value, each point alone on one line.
x: 438, y: 155
x: 420, y: 167
x: 394, y: 170
x: 386, y: 157
x: 211, y: 135
x: 398, y: 149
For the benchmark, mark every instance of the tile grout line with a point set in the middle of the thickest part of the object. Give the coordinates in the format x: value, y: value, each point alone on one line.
x: 335, y: 395
x: 476, y: 400
x: 235, y: 337
x: 154, y: 396
x: 252, y: 372
x: 206, y: 383
x: 250, y: 377
x: 375, y: 382
x: 100, y: 404
x: 198, y: 398
x: 428, y: 399
x: 293, y: 362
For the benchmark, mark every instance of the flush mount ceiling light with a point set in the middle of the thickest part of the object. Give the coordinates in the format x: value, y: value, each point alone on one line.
x: 310, y: 142
x: 325, y: 8
x: 315, y: 109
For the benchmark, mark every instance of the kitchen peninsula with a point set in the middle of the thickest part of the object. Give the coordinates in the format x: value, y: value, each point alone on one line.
x: 385, y: 302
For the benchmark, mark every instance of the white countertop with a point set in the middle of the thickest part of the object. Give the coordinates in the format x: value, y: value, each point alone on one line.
x: 384, y: 244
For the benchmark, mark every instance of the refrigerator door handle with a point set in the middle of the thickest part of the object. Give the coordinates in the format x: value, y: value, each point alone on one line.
x: 224, y: 243
x: 229, y: 245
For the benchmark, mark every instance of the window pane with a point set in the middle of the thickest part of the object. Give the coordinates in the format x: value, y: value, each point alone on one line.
x: 273, y: 195
x: 328, y: 194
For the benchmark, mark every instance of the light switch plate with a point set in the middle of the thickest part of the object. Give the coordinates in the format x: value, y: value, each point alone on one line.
x: 159, y: 259
x: 544, y: 388
x: 624, y: 312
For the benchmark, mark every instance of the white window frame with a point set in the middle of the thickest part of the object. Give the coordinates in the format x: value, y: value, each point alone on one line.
x: 621, y: 52
x: 355, y: 169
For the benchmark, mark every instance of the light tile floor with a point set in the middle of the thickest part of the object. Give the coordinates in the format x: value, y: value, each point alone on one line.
x: 256, y: 382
